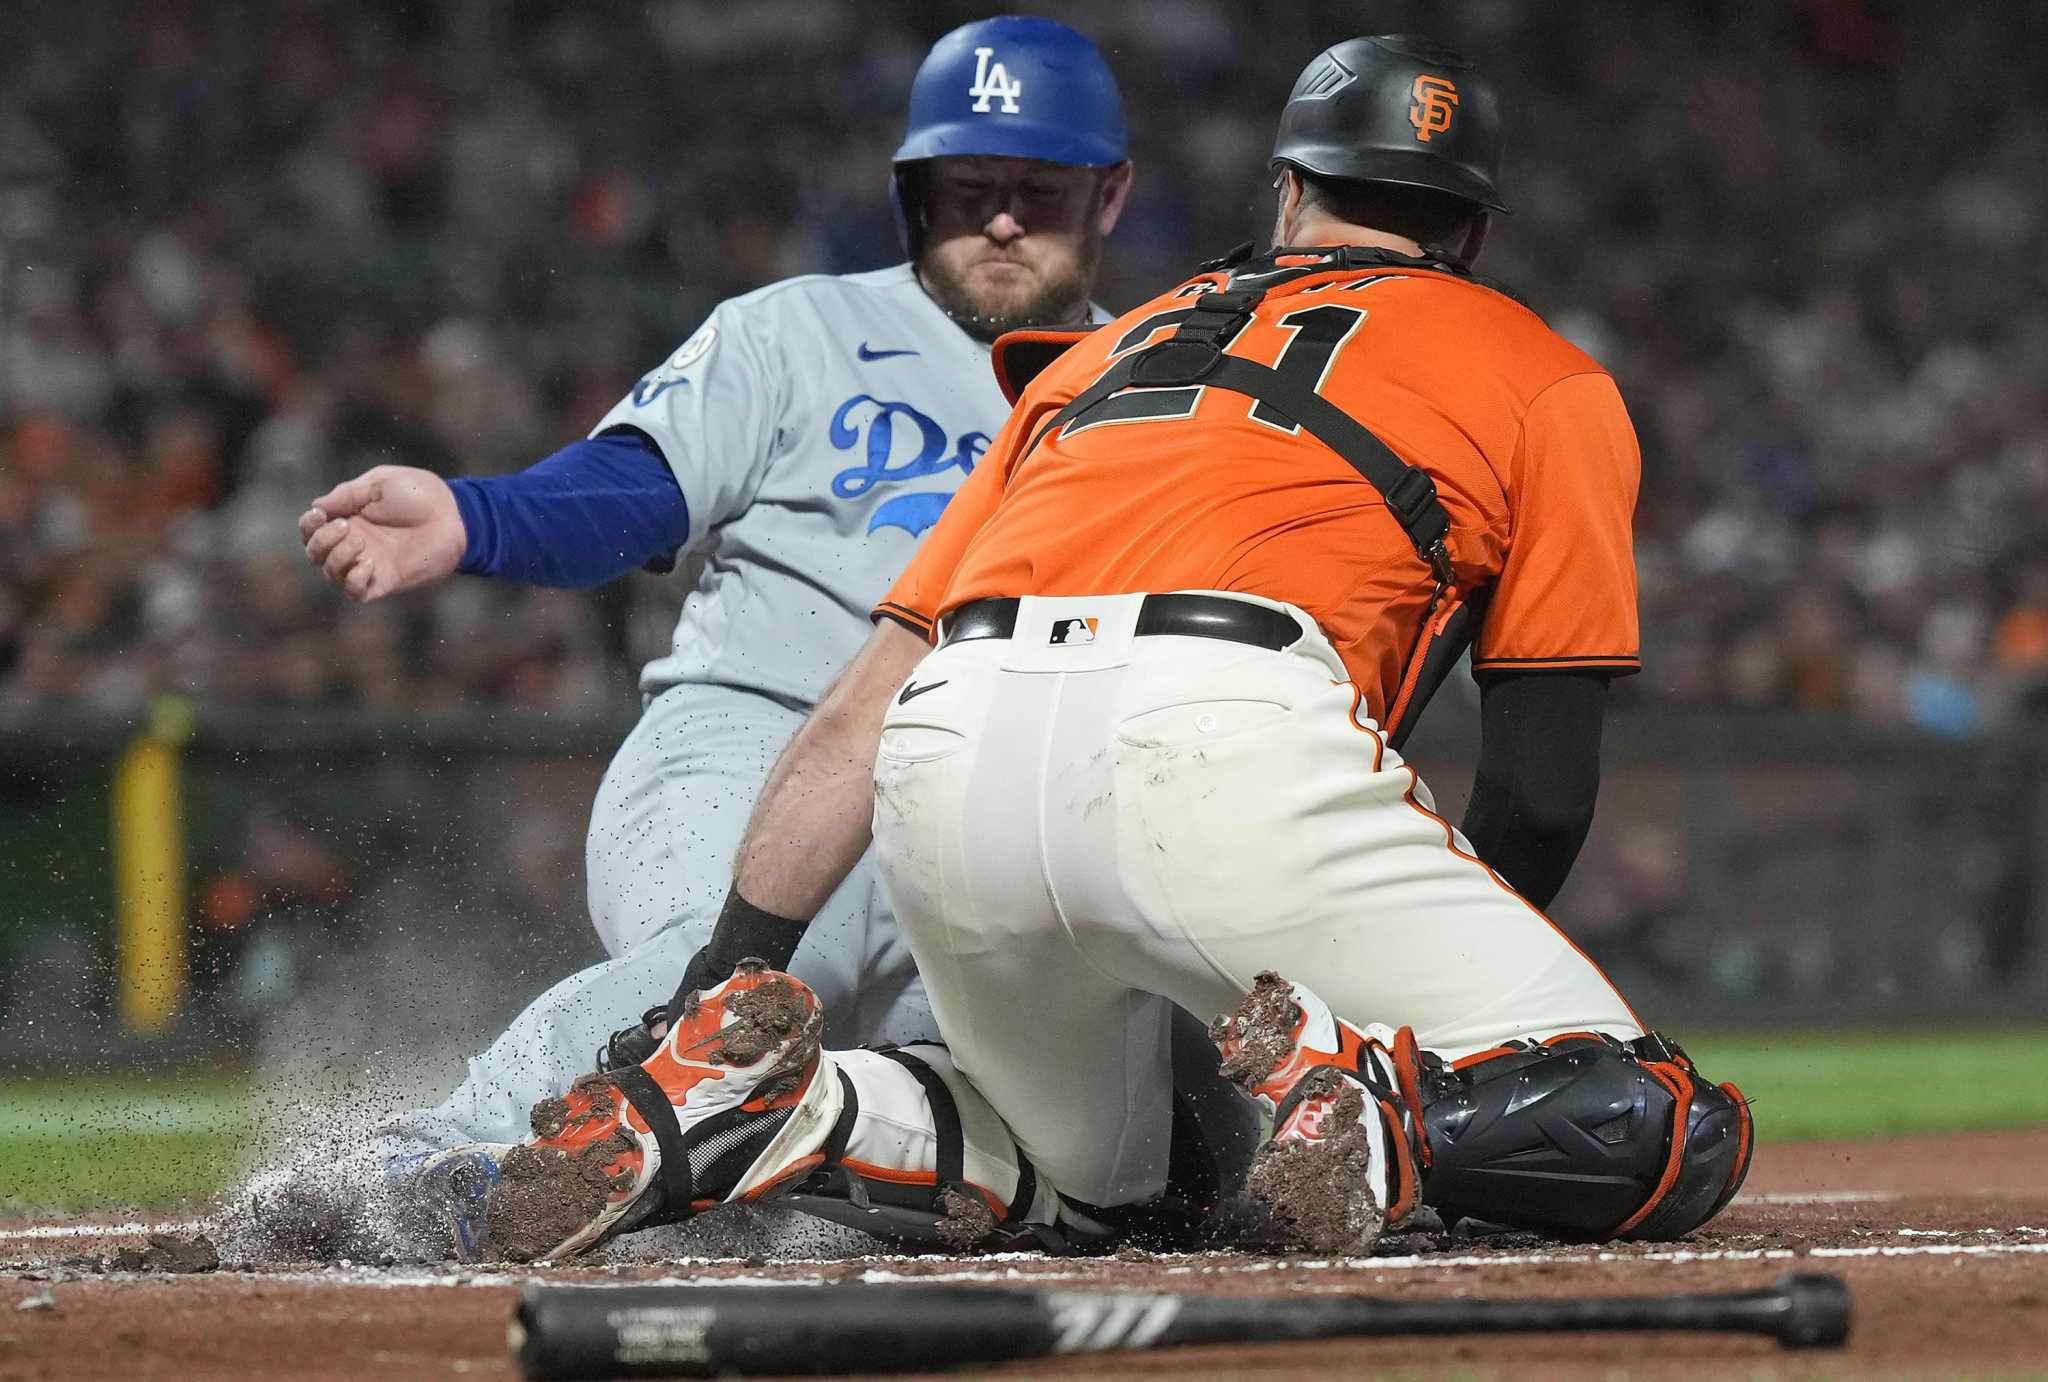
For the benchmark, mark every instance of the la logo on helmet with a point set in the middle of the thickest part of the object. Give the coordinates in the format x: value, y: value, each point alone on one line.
x: 992, y: 81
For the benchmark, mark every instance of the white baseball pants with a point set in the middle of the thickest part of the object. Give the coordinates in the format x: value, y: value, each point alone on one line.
x: 1074, y: 834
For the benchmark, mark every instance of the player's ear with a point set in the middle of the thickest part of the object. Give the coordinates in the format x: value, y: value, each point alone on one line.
x: 1115, y: 193
x: 1289, y: 188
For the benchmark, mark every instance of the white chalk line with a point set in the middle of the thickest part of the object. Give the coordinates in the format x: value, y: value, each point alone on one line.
x: 1818, y: 1197
x: 1013, y: 1276
x: 1427, y: 1262
x: 44, y: 1231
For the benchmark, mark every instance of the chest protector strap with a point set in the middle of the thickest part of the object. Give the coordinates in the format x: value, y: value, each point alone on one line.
x: 1195, y: 354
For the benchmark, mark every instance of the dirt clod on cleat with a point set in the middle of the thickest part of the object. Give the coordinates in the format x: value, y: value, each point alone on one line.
x: 1318, y: 1195
x: 544, y: 1195
x: 1262, y: 1026
x: 763, y: 1019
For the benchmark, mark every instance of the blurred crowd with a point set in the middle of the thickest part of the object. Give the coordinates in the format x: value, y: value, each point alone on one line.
x: 247, y: 250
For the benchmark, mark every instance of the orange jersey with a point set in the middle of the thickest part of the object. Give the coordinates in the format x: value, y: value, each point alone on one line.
x: 1202, y: 489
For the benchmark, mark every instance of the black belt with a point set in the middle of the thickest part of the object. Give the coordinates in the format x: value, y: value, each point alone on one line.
x: 1194, y: 616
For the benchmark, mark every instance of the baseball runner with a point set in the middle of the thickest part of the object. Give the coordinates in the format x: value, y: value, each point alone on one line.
x: 802, y: 439
x: 1198, y: 584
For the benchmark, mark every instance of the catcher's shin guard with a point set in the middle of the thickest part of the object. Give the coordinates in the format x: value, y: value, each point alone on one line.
x: 917, y: 1157
x: 1583, y: 1137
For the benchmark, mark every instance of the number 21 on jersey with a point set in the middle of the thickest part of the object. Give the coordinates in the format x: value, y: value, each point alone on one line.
x: 1315, y: 336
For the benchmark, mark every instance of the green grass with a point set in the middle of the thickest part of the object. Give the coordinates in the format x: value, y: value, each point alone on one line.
x: 1868, y: 1084
x: 150, y: 1170
x: 103, y: 1143
x: 96, y: 1143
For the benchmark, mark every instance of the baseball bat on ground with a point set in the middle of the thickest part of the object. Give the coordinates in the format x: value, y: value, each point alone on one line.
x: 709, y: 1331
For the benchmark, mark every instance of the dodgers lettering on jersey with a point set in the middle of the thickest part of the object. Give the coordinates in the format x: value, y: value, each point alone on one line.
x: 818, y: 427
x: 879, y: 445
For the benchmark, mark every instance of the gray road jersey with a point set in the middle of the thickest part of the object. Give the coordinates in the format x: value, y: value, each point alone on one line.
x: 818, y: 427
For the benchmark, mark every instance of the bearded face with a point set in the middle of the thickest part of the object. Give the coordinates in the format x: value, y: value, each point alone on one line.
x: 1013, y: 242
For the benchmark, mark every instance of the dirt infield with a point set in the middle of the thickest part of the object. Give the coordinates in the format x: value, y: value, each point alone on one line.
x: 1944, y: 1242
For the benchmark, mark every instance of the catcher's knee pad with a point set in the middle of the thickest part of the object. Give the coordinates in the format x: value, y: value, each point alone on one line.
x: 1584, y: 1137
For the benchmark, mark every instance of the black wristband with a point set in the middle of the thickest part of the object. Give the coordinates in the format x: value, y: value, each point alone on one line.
x: 744, y: 931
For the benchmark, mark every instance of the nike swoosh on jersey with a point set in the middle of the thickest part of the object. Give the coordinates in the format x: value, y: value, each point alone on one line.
x: 912, y: 690
x: 867, y: 354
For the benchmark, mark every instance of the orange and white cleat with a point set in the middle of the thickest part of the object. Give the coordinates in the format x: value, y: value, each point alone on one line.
x: 1347, y: 1150
x: 728, y: 1107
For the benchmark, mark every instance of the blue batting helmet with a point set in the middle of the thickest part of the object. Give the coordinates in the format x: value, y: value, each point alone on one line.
x: 1014, y: 86
x: 1018, y: 86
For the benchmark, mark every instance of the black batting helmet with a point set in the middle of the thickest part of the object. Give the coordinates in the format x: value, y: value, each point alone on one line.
x: 1395, y: 108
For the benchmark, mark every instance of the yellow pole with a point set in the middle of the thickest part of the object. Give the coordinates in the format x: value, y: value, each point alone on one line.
x: 149, y: 869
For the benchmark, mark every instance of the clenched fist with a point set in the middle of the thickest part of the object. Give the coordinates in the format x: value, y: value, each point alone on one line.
x: 392, y: 528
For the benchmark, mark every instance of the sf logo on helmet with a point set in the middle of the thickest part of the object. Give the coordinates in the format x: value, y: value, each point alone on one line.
x: 1435, y: 99
x: 992, y: 81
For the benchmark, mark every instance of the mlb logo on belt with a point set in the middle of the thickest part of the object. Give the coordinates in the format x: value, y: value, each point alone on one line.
x: 1073, y: 631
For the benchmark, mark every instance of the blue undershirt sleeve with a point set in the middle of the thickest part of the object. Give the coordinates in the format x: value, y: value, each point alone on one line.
x: 588, y: 514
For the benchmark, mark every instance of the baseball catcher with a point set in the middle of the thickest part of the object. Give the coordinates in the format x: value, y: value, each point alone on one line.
x: 1125, y: 738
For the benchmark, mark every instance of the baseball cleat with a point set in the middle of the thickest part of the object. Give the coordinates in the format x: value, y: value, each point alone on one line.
x: 1347, y: 1143
x: 719, y: 1112
x: 453, y: 1187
